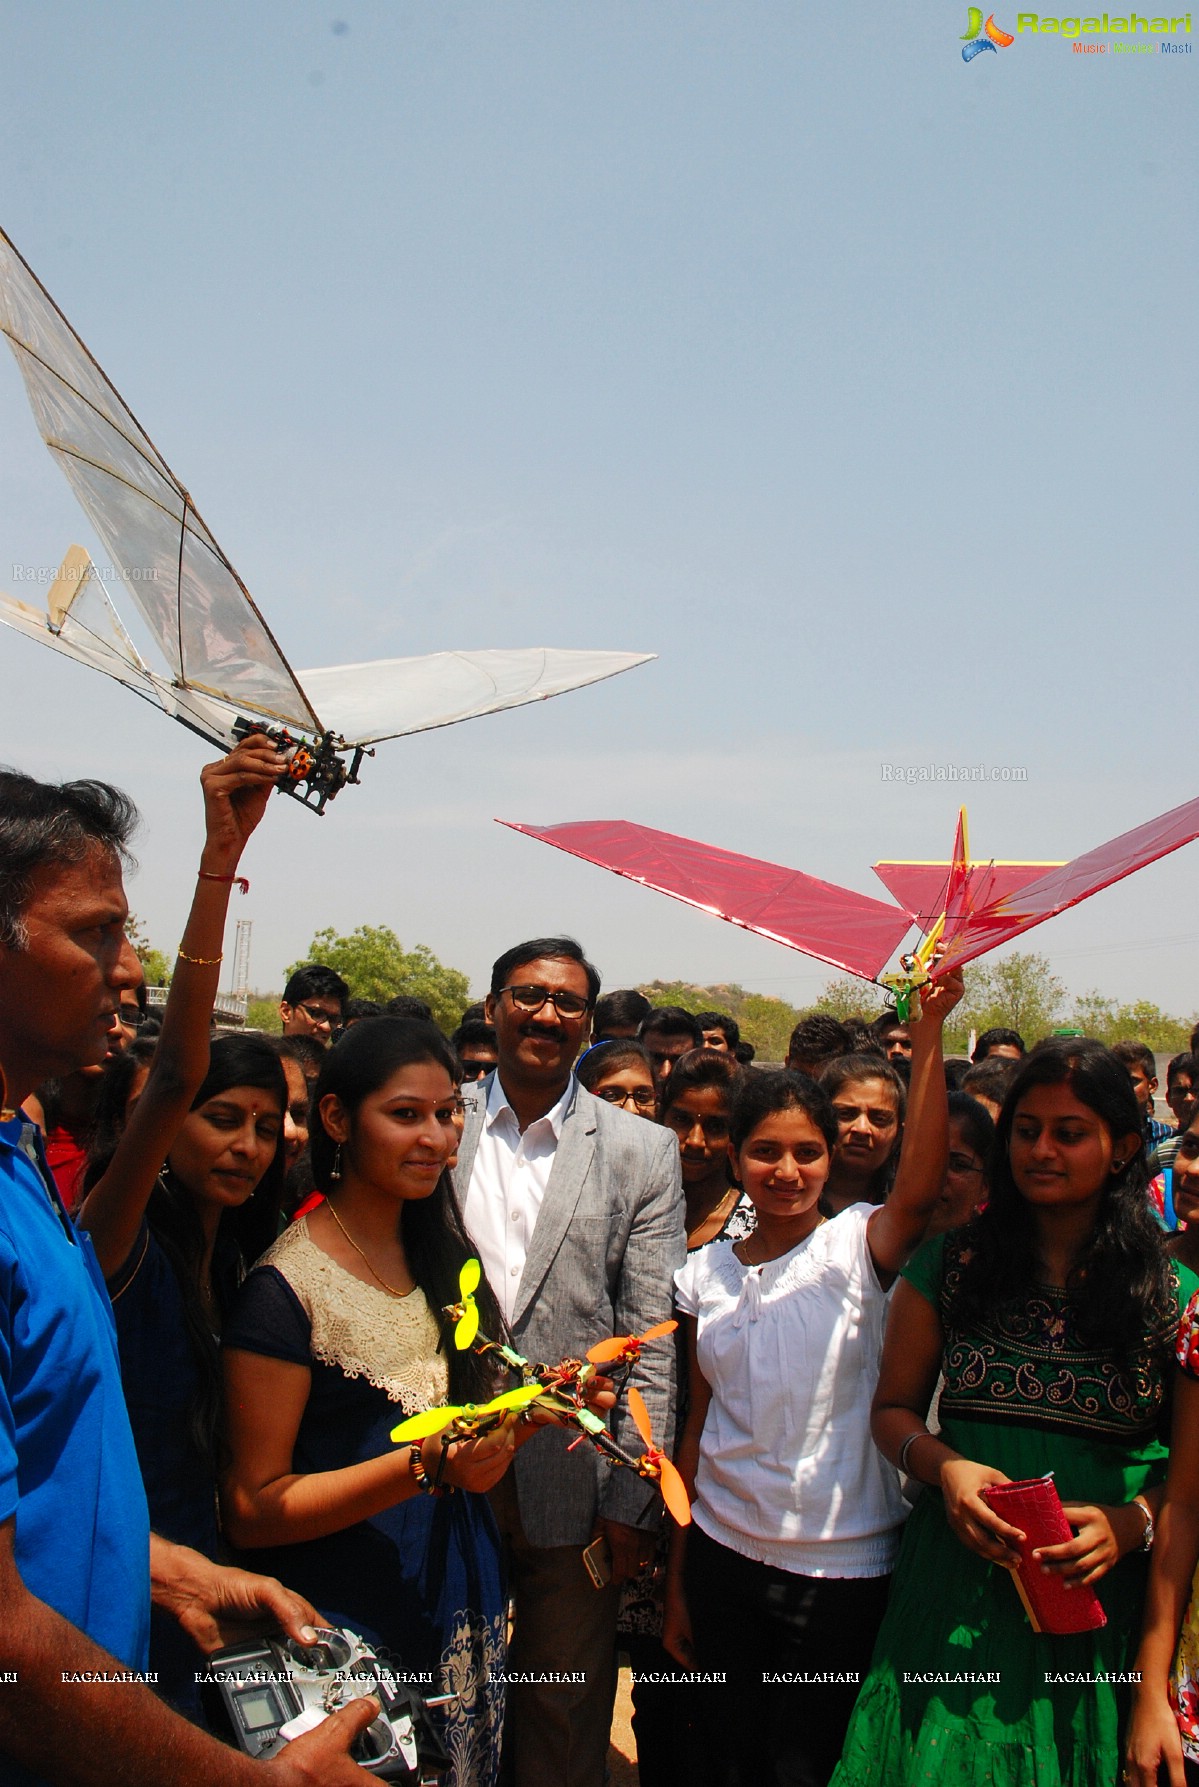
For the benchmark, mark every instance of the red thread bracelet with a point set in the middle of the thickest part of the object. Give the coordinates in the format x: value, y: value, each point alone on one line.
x: 234, y: 880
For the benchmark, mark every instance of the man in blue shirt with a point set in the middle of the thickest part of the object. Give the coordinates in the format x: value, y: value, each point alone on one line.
x: 78, y: 1565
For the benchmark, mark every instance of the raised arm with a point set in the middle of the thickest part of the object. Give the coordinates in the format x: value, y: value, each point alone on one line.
x: 897, y: 1228
x: 236, y: 791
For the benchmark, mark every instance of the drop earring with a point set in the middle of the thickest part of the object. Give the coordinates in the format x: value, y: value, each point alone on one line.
x: 335, y: 1169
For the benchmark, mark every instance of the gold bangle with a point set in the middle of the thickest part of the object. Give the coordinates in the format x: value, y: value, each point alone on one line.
x: 200, y: 961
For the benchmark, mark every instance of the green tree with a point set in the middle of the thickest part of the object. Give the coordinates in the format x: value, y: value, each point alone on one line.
x: 1018, y: 993
x: 1142, y: 1021
x: 262, y: 1013
x: 155, y: 965
x: 375, y: 965
x: 849, y: 997
x: 765, y: 1022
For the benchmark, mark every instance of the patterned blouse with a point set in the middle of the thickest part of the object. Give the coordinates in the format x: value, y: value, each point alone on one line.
x: 1026, y: 1361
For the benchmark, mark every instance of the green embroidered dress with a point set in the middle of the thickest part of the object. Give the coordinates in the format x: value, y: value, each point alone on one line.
x: 1025, y: 1394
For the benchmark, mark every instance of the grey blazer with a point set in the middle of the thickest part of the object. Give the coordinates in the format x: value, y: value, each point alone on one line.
x: 601, y: 1261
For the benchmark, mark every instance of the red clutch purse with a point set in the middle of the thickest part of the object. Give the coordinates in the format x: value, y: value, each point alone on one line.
x: 1036, y: 1508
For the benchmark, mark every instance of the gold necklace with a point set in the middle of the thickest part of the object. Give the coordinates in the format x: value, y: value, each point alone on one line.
x: 389, y: 1288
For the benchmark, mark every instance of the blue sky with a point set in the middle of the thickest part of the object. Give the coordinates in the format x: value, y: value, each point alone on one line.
x: 856, y: 382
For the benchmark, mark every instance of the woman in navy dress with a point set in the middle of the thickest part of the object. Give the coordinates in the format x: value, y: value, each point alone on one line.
x: 337, y: 1336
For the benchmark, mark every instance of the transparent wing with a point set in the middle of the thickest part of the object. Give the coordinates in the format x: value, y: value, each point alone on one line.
x: 200, y: 614
x: 83, y: 625
x: 832, y: 923
x: 369, y: 702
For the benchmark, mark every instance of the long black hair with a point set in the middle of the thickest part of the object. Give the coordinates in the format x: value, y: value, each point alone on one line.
x: 759, y: 1095
x: 435, y: 1242
x: 112, y: 1105
x: 243, y: 1233
x: 1121, y: 1286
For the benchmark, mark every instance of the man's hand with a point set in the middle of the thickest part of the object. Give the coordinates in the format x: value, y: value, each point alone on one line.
x: 320, y: 1758
x: 632, y: 1547
x: 217, y: 1605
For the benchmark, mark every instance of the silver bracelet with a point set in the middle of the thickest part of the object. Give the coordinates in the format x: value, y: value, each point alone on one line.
x: 921, y: 1433
x: 1147, y: 1536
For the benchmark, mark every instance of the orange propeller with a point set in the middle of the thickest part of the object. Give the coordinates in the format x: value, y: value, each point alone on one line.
x: 628, y: 1346
x: 655, y: 1464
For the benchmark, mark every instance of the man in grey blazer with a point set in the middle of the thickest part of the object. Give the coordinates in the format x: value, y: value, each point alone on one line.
x: 577, y: 1212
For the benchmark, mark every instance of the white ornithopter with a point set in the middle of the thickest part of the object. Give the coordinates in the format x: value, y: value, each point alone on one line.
x: 222, y: 672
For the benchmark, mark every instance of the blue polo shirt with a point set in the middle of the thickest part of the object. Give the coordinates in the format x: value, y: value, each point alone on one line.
x: 68, y: 1468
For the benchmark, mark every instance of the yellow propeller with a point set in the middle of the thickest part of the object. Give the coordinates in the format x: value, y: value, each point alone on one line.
x: 419, y: 1427
x: 467, y: 1325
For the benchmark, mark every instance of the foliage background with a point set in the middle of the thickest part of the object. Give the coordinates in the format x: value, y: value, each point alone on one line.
x: 1019, y: 992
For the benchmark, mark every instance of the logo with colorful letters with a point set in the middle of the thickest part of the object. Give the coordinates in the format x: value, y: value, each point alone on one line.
x: 982, y: 37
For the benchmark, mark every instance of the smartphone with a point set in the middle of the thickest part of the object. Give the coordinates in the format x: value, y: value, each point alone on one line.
x: 597, y: 1561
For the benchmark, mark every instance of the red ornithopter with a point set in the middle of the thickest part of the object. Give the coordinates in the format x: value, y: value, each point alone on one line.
x: 964, y: 907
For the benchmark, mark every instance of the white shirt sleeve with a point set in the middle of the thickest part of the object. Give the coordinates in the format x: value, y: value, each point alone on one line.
x: 686, y: 1284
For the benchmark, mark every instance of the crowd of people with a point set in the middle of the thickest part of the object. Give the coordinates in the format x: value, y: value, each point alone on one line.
x: 900, y: 1281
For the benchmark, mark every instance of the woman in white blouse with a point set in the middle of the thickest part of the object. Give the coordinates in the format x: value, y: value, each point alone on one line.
x: 779, y: 1584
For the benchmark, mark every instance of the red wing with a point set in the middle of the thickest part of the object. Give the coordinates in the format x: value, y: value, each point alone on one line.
x: 1064, y: 887
x: 921, y: 887
x: 835, y: 925
x: 657, y: 1331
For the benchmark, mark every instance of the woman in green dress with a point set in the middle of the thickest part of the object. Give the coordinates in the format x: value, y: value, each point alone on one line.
x: 1051, y: 1317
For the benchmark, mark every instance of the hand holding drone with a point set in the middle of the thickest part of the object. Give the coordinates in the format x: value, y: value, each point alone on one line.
x: 566, y: 1394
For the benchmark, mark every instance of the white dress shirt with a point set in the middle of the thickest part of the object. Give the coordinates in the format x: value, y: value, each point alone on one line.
x: 507, y: 1185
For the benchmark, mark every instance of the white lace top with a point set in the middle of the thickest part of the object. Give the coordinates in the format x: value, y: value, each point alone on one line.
x: 390, y: 1341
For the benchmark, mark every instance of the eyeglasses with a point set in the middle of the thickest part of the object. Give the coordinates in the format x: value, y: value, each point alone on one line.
x: 961, y: 1165
x: 129, y: 1017
x: 567, y: 1005
x: 317, y: 1015
x: 644, y: 1097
